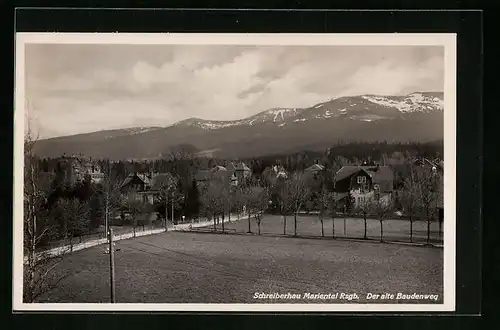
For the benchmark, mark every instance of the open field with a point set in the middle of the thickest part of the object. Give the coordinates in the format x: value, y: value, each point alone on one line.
x: 188, y: 267
x: 309, y: 226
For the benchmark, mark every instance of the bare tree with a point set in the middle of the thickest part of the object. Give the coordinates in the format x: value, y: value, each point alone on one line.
x: 285, y: 201
x: 134, y: 207
x: 409, y: 199
x: 258, y: 201
x: 382, y: 209
x: 326, y: 198
x: 40, y: 273
x: 237, y: 201
x: 166, y: 185
x: 329, y: 181
x: 206, y: 205
x: 299, y: 194
x: 427, y: 182
x: 248, y: 202
x: 332, y: 210
x: 211, y: 200
x: 223, y: 202
x: 324, y: 201
x: 364, y: 209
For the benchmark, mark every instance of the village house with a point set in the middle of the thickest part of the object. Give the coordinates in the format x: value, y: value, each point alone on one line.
x: 217, y: 173
x: 435, y: 165
x: 78, y: 167
x: 240, y: 171
x: 316, y: 168
x: 313, y: 173
x: 280, y: 172
x: 273, y: 174
x: 363, y: 183
x: 146, y: 187
x: 232, y: 175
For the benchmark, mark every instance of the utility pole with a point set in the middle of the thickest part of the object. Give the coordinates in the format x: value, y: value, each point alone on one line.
x: 111, y: 265
x: 173, y: 221
x: 108, y: 188
x: 345, y: 210
x: 166, y: 209
x: 106, y: 215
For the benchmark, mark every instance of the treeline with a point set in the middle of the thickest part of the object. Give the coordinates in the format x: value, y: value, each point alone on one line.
x: 346, y: 152
x: 351, y: 153
x: 185, y: 166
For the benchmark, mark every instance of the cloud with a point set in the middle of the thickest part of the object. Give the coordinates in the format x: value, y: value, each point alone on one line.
x: 390, y: 77
x: 100, y: 87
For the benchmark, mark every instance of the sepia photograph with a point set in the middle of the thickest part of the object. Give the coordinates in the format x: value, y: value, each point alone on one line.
x: 234, y: 172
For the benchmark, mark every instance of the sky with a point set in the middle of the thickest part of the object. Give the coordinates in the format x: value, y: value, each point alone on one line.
x: 81, y: 88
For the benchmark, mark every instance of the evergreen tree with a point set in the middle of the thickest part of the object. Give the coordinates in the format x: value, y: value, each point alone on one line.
x: 192, y: 208
x: 96, y: 208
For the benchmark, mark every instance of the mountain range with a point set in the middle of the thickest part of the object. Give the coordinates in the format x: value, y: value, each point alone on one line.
x: 414, y: 117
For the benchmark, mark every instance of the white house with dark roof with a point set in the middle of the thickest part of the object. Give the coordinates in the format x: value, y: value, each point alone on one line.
x: 364, y: 183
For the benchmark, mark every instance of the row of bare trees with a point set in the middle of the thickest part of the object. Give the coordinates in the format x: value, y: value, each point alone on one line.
x: 218, y: 199
x: 419, y: 199
x: 253, y: 198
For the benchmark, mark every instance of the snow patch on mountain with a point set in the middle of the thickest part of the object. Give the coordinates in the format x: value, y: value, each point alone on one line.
x: 129, y: 131
x: 139, y: 130
x: 279, y: 113
x: 363, y: 107
x: 415, y: 102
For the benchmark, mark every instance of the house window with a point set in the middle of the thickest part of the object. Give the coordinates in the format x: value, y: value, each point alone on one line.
x: 361, y: 179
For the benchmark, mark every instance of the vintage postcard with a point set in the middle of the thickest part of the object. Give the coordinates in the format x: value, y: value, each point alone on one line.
x: 235, y: 172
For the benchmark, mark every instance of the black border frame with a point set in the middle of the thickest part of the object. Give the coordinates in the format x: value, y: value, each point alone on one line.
x: 467, y: 25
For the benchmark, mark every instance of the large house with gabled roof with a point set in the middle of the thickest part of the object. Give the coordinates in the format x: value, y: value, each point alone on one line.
x: 146, y: 187
x: 363, y: 183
